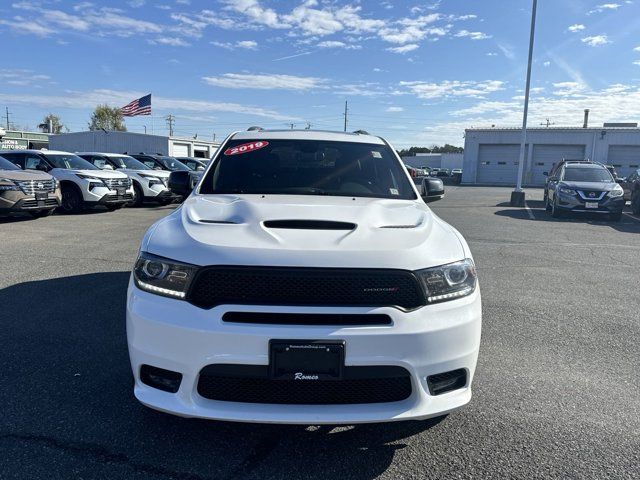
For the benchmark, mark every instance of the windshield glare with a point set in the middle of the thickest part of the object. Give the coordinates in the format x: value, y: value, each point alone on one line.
x: 69, y: 161
x: 7, y: 165
x: 174, y: 165
x: 308, y: 167
x: 587, y: 175
x: 125, y: 161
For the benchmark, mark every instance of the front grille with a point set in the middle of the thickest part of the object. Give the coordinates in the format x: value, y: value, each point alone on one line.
x: 337, y: 319
x: 115, y: 198
x: 221, y: 285
x: 30, y: 187
x: 49, y: 202
x: 251, y: 384
x: 114, y: 183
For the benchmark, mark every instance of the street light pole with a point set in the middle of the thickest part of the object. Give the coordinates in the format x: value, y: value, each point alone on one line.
x: 517, y: 196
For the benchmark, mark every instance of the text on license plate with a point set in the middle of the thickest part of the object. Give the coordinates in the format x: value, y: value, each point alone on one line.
x: 591, y: 205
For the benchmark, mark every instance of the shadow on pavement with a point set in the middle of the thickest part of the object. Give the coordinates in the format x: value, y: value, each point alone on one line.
x: 67, y: 389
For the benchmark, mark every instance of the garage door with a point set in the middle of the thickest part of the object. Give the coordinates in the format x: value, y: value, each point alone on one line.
x: 544, y: 156
x: 498, y: 164
x: 626, y: 158
x: 180, y: 150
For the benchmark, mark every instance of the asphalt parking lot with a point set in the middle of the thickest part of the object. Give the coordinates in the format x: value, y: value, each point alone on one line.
x: 556, y: 393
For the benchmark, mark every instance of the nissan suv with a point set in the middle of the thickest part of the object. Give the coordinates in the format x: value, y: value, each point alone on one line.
x: 30, y: 191
x: 304, y: 280
x: 165, y: 162
x: 583, y: 186
x: 148, y: 185
x: 82, y: 183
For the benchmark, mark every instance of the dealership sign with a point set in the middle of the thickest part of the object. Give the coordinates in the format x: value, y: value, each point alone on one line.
x: 13, y: 144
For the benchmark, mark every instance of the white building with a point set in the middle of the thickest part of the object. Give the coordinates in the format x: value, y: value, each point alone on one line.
x: 491, y: 155
x: 435, y: 160
x: 121, y: 142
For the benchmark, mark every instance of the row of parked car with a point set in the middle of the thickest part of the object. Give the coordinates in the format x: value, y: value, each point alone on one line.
x: 39, y: 182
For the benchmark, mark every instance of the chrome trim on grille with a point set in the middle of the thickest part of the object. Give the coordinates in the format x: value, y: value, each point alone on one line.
x: 585, y: 196
x: 30, y: 187
x: 113, y: 183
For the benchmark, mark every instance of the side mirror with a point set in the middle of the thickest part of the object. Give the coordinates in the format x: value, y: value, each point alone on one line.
x: 157, y: 168
x: 42, y: 167
x: 106, y: 166
x: 180, y: 183
x: 200, y: 168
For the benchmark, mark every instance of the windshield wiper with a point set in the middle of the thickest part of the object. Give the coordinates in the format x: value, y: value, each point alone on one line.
x: 305, y: 190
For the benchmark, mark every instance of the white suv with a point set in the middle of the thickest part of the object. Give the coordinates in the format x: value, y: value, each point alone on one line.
x: 83, y: 184
x: 303, y: 281
x: 149, y: 185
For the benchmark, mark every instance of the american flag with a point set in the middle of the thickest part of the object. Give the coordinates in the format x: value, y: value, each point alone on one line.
x: 141, y: 106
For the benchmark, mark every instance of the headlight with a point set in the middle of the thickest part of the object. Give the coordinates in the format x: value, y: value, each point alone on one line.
x: 8, y: 184
x: 450, y: 281
x: 568, y: 191
x: 91, y: 179
x: 163, y: 276
x: 616, y: 192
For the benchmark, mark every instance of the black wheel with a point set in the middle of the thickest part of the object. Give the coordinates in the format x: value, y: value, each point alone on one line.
x: 555, y: 211
x: 635, y: 203
x: 41, y: 213
x: 138, y: 197
x: 615, y: 217
x: 71, y: 200
x: 547, y: 206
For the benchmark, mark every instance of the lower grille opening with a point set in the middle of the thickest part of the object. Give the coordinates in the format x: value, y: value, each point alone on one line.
x: 251, y: 384
x: 447, y: 381
x: 306, y: 319
x: 309, y: 225
x: 165, y: 380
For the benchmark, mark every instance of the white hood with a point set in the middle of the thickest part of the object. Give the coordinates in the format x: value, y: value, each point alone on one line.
x: 162, y: 174
x: 230, y: 230
x: 106, y: 174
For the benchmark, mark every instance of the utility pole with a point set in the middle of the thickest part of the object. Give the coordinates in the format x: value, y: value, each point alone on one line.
x: 308, y: 127
x: 170, y: 121
x: 292, y: 125
x: 6, y: 109
x: 517, y: 196
x: 548, y: 123
x: 346, y: 112
x: 214, y: 136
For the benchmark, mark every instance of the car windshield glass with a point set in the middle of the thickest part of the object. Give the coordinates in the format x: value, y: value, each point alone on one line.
x: 308, y: 167
x: 174, y: 165
x: 587, y: 175
x: 69, y: 161
x: 7, y: 165
x: 125, y: 161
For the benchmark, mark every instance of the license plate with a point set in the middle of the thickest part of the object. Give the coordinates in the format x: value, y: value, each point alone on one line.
x: 41, y: 195
x: 121, y: 191
x: 591, y: 205
x: 306, y: 360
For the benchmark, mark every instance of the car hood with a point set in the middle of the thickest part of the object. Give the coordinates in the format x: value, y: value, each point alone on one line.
x: 155, y: 173
x: 231, y: 230
x: 599, y: 186
x: 106, y: 174
x: 23, y: 175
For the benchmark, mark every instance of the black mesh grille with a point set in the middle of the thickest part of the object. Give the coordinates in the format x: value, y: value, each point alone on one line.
x: 251, y: 384
x: 305, y: 286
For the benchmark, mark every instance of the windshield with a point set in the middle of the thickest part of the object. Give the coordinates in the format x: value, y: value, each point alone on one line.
x: 310, y: 167
x: 174, y: 165
x: 69, y: 161
x: 125, y: 161
x: 7, y: 165
x: 577, y: 174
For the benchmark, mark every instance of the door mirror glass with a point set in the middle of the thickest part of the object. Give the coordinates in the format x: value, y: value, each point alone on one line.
x: 180, y: 183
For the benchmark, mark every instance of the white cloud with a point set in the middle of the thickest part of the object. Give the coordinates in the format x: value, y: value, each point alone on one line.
x: 472, y: 35
x: 404, y: 49
x: 89, y: 99
x: 136, y: 3
x: 23, y: 78
x: 170, y: 41
x: 596, y: 40
x: 576, y: 27
x: 337, y: 44
x: 637, y: 62
x: 569, y: 89
x: 637, y: 49
x: 264, y: 82
x: 546, y: 64
x: 604, y: 7
x: 395, y: 109
x: 491, y: 54
x: 507, y: 51
x: 242, y: 44
x: 453, y: 88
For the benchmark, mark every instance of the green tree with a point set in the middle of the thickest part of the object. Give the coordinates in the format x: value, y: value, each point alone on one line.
x: 107, y: 118
x: 446, y: 148
x: 51, y: 124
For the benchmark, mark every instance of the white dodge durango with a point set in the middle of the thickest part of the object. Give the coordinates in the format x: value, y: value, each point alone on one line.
x: 304, y: 280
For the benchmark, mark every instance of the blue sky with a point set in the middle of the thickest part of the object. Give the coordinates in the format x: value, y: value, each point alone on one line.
x: 418, y: 73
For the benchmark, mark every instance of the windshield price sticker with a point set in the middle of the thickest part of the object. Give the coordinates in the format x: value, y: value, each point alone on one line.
x: 245, y: 148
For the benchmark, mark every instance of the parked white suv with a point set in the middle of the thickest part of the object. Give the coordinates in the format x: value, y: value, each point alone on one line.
x: 303, y: 281
x: 149, y: 185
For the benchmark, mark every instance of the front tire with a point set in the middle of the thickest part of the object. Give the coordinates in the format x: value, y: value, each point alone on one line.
x: 555, y: 211
x: 138, y: 197
x: 71, y: 200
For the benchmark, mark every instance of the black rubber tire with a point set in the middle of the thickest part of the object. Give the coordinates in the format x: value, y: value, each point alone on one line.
x: 555, y: 211
x: 138, y: 197
x: 547, y: 206
x: 71, y: 200
x: 615, y: 217
x: 635, y: 203
x: 42, y: 213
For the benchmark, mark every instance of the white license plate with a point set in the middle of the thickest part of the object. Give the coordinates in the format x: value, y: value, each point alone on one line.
x: 591, y: 205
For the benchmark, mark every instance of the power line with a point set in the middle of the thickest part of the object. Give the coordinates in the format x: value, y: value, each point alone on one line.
x: 7, y: 116
x: 346, y: 112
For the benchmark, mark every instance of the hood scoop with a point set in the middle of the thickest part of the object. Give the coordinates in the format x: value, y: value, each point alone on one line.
x: 309, y: 225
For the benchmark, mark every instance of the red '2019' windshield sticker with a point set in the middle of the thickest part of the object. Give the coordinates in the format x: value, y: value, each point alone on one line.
x: 245, y: 148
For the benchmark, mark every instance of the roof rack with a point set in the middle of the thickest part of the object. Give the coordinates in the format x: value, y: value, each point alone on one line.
x: 361, y: 132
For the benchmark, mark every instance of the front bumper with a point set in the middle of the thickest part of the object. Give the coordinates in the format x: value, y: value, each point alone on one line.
x: 177, y: 336
x: 575, y: 204
x: 16, y: 202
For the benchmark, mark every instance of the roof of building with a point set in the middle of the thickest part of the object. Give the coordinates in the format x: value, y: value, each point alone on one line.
x: 547, y: 129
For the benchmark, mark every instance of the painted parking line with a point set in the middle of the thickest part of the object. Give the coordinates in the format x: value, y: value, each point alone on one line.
x: 529, y: 211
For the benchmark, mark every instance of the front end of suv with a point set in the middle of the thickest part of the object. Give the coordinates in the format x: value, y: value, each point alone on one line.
x: 603, y: 200
x: 38, y: 196
x: 304, y: 309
